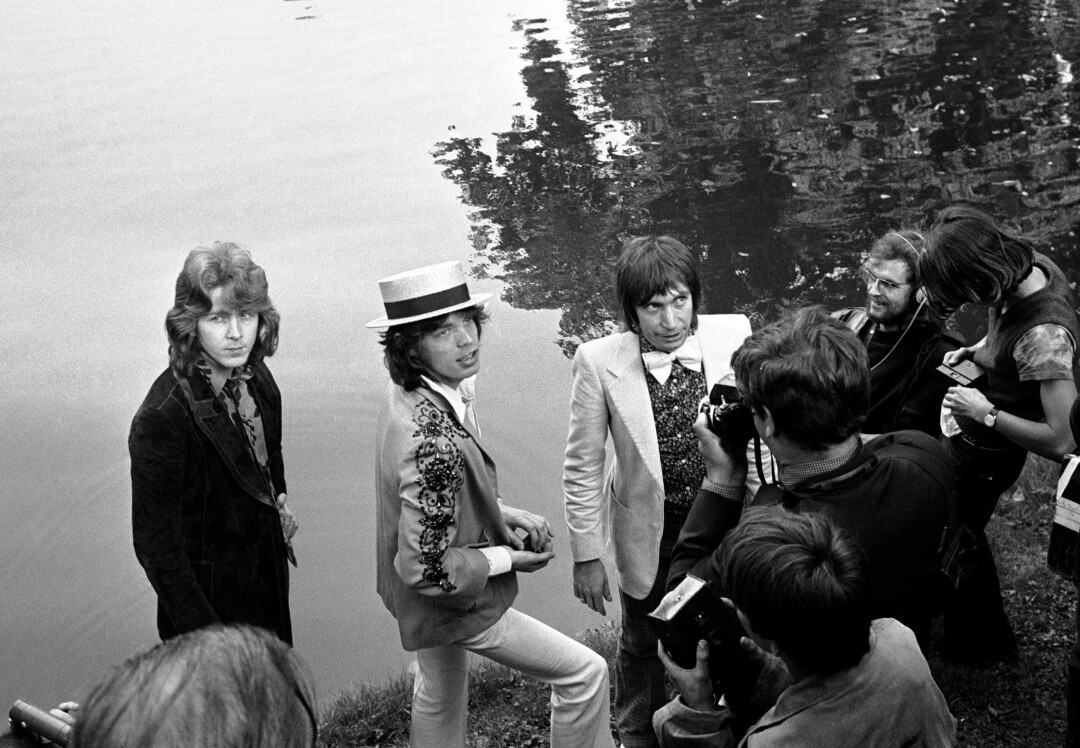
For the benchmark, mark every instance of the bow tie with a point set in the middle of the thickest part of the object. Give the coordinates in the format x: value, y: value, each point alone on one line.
x: 659, y: 363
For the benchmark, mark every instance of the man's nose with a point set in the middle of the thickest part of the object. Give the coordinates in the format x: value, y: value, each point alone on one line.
x: 669, y: 317
x: 233, y: 330
x: 465, y: 335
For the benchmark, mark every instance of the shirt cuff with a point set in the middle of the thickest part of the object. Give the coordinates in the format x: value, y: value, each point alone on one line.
x: 734, y: 493
x: 498, y: 559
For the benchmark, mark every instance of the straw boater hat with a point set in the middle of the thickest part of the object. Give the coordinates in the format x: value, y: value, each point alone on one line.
x: 425, y: 292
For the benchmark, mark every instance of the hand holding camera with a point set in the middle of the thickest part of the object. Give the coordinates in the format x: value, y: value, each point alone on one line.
x: 729, y: 418
x: 692, y: 613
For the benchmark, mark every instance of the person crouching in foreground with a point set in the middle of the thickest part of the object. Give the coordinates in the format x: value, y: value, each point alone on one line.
x: 831, y: 677
x: 447, y: 546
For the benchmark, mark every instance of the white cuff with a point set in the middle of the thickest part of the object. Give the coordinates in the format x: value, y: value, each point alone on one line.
x: 498, y: 559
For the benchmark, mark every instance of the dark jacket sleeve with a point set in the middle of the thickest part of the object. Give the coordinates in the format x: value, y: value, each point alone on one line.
x: 270, y: 396
x: 709, y: 520
x: 159, y: 449
x: 921, y: 406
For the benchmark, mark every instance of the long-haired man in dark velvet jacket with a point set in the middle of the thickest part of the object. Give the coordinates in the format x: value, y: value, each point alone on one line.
x: 210, y: 523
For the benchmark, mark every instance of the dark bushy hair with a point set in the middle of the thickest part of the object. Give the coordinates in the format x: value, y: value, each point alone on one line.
x: 971, y: 257
x: 651, y: 265
x: 223, y: 265
x: 400, y: 344
x: 799, y: 580
x: 900, y: 245
x: 811, y: 372
x: 228, y: 686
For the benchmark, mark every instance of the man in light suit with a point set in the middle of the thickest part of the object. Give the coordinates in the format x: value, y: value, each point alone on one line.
x: 642, y: 387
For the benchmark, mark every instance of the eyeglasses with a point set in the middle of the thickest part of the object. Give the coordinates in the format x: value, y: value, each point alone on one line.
x: 871, y: 280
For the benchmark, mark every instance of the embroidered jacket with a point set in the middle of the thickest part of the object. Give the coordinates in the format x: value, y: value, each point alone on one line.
x: 437, y: 505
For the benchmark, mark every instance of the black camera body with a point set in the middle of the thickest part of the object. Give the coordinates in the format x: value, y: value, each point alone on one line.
x: 728, y: 417
x: 965, y: 373
x: 691, y: 612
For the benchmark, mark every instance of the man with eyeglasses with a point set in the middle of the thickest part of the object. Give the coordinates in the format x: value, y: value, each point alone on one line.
x: 903, y: 342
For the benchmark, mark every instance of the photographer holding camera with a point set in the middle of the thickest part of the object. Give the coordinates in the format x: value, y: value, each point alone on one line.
x: 832, y: 676
x: 806, y: 382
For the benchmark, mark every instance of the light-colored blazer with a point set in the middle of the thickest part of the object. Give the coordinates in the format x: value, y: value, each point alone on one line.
x: 611, y: 397
x: 437, y: 505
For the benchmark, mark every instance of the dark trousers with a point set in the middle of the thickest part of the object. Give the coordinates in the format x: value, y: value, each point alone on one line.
x: 976, y: 625
x: 639, y: 675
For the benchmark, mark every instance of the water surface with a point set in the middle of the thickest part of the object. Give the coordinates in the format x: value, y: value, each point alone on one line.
x: 341, y: 141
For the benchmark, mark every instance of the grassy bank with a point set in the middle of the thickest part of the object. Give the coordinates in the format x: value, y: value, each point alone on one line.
x: 1003, y: 705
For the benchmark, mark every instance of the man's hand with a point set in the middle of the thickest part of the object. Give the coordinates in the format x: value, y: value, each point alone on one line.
x: 288, y: 520
x: 720, y: 465
x: 694, y: 685
x: 967, y: 401
x: 591, y: 585
x: 952, y: 358
x: 527, y: 561
x: 535, y: 527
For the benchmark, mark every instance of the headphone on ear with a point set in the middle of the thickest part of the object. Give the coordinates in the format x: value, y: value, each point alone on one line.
x: 920, y: 297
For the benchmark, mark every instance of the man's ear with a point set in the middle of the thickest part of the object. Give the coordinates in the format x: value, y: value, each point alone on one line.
x: 768, y: 425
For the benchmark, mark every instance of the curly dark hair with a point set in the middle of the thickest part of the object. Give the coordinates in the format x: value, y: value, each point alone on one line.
x: 401, y: 341
x: 223, y: 265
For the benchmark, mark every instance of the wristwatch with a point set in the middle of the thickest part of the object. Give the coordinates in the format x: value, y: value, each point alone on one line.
x: 990, y: 419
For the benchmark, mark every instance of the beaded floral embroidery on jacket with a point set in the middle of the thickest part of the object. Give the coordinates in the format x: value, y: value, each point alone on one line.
x: 441, y: 467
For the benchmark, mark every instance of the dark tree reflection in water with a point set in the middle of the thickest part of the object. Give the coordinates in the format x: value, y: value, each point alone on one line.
x: 776, y: 138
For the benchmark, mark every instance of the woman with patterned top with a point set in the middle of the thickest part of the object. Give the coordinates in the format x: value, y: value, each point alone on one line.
x: 448, y: 548
x: 1029, y: 352
x: 210, y: 523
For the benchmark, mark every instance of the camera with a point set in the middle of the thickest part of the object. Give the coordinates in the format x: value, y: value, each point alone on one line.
x: 963, y: 373
x: 693, y: 611
x: 728, y: 417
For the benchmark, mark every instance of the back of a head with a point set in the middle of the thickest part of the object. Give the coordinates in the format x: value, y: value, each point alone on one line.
x: 222, y: 686
x: 799, y: 581
x: 811, y: 372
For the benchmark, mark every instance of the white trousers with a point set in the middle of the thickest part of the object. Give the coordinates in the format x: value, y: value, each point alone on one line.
x: 580, y: 702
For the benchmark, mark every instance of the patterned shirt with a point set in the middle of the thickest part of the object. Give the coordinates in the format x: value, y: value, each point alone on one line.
x: 675, y: 408
x: 1044, y: 352
x: 236, y: 396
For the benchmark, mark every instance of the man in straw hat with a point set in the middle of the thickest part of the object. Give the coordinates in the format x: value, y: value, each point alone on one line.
x: 448, y: 548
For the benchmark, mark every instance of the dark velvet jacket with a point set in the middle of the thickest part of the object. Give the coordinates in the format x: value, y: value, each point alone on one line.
x: 206, y: 529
